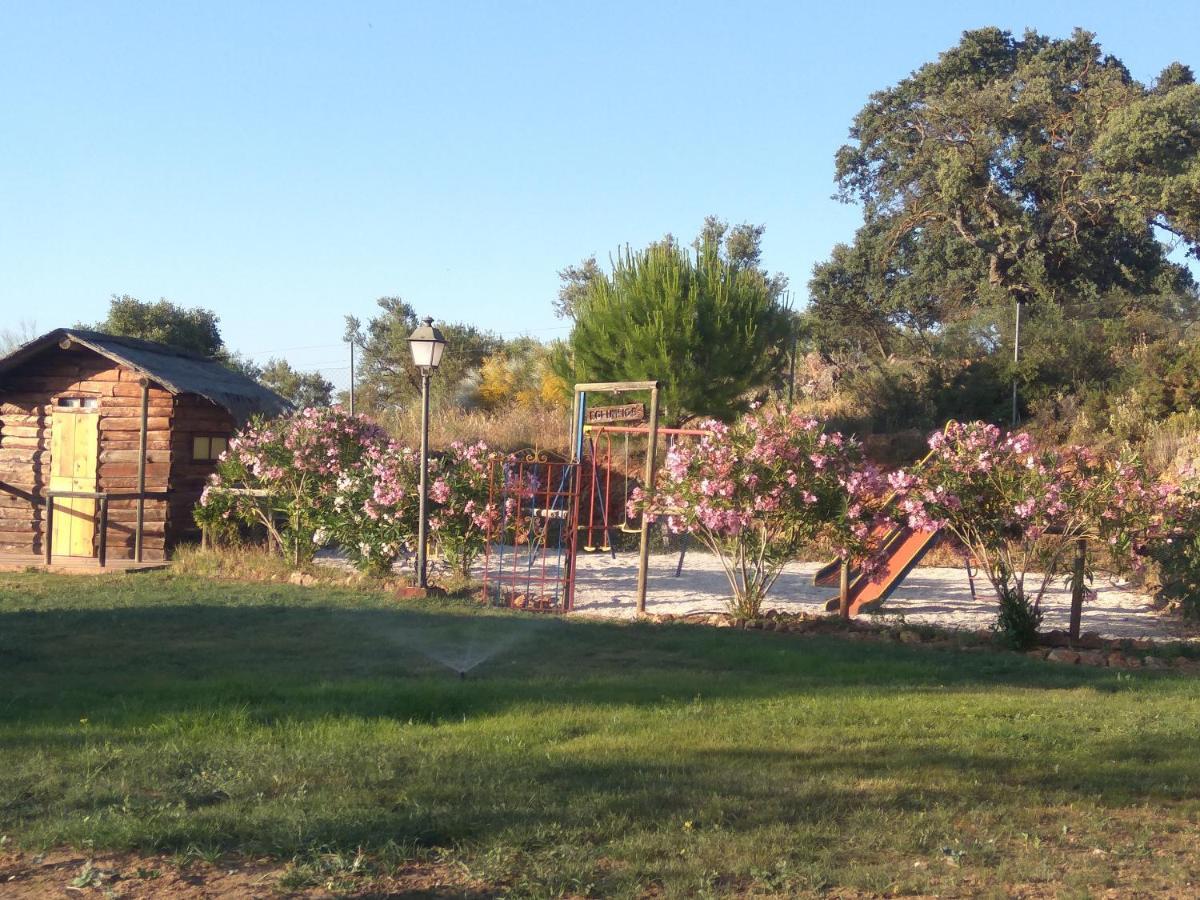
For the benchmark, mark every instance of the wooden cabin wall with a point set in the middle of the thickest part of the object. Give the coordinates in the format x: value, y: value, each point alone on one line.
x: 193, y: 416
x: 28, y: 398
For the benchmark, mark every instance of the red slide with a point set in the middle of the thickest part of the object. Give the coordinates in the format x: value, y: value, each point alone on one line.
x: 903, y: 549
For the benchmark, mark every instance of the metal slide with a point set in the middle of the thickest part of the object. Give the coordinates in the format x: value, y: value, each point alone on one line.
x: 903, y: 548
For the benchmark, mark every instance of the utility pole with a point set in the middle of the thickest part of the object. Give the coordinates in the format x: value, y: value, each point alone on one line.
x: 792, y: 370
x: 1016, y: 360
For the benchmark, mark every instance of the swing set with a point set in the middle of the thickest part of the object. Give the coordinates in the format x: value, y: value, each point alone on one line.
x: 608, y: 485
x: 548, y: 508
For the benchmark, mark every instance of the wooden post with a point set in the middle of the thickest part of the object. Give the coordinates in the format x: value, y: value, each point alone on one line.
x: 141, y: 475
x: 48, y: 538
x: 1077, y: 577
x: 644, y: 546
x: 844, y: 590
x: 102, y: 553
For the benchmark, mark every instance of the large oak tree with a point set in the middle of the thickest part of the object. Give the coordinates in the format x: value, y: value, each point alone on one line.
x: 1029, y: 169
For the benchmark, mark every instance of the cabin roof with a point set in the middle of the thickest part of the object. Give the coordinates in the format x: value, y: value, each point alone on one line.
x: 179, y: 371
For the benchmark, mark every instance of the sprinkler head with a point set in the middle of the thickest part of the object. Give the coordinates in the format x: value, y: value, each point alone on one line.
x: 462, y: 674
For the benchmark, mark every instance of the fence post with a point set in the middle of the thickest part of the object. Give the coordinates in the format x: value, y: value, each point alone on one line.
x: 644, y: 544
x: 141, y: 472
x: 1077, y: 587
x: 103, y: 550
x: 49, y: 536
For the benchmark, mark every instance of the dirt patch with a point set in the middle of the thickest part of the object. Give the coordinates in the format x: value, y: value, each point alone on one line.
x: 131, y: 876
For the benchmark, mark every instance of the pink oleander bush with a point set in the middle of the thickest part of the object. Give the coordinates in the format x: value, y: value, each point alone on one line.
x: 759, y: 490
x: 1176, y: 556
x: 1019, y: 508
x: 372, y: 512
x: 460, y: 512
x: 325, y: 477
x: 284, y: 474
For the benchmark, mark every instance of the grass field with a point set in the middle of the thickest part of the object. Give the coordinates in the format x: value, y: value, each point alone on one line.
x: 161, y: 713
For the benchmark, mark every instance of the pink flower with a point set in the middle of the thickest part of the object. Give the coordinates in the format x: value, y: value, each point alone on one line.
x: 439, y: 491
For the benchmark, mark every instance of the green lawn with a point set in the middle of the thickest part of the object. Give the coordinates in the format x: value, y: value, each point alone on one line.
x: 167, y: 713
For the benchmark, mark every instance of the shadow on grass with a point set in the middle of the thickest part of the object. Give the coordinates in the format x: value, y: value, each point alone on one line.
x: 303, y: 662
x: 734, y: 735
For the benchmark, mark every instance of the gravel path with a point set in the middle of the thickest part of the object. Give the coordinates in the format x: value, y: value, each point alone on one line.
x: 929, y: 595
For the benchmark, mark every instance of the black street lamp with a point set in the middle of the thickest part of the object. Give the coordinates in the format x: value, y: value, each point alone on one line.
x: 427, y: 345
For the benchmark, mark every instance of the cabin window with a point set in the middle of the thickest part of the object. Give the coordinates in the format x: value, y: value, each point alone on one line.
x: 77, y: 403
x: 208, y: 447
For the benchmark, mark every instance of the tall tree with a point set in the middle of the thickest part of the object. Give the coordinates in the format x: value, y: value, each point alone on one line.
x: 303, y: 389
x: 198, y: 331
x: 741, y: 246
x: 574, y: 282
x: 712, y: 329
x: 995, y: 146
x: 388, y: 379
x: 1033, y: 170
x: 12, y: 337
x: 188, y: 328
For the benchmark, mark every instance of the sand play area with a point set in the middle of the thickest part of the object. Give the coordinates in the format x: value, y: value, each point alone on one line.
x: 929, y: 595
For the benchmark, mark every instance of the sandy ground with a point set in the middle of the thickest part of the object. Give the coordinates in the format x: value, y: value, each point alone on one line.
x: 929, y: 595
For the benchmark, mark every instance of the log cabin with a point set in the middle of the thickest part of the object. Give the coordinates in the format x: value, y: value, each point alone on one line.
x: 106, y: 443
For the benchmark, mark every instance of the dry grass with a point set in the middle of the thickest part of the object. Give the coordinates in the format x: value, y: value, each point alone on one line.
x: 515, y: 428
x: 246, y: 562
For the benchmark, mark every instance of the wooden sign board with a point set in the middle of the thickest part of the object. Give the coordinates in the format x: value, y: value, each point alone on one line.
x: 608, y: 415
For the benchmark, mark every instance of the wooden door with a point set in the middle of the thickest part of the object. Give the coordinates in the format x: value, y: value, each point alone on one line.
x: 74, y: 442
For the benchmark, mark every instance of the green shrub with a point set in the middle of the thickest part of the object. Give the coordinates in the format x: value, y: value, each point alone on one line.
x: 1019, y: 619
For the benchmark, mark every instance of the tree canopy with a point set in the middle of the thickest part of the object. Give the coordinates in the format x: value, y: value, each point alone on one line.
x: 1030, y: 169
x: 387, y: 378
x: 1037, y: 158
x: 188, y: 328
x: 198, y: 330
x: 303, y: 389
x: 711, y: 326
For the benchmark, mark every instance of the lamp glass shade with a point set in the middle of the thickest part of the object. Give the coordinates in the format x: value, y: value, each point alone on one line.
x: 427, y: 344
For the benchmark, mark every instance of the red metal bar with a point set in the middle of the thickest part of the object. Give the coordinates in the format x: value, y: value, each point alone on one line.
x: 491, y: 528
x: 591, y: 520
x: 547, y: 504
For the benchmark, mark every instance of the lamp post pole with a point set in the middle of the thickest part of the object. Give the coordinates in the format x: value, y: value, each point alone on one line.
x: 427, y: 345
x: 423, y: 524
x: 1016, y: 361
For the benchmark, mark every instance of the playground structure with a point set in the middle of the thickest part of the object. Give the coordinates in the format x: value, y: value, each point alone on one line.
x: 529, y: 560
x: 550, y: 508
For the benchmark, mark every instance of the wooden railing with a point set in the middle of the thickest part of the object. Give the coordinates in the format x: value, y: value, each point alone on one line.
x: 102, y: 498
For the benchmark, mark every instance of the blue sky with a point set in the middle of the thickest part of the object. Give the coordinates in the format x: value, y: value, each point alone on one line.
x: 286, y: 164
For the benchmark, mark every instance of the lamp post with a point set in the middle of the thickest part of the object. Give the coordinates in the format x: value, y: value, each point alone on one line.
x: 427, y: 345
x: 1016, y: 359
